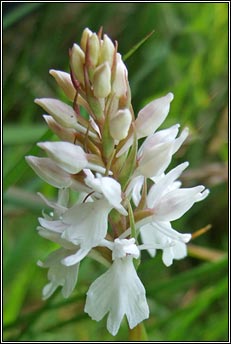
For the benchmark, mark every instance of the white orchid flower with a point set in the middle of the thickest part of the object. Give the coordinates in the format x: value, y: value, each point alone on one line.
x: 156, y: 152
x: 118, y: 291
x: 59, y: 274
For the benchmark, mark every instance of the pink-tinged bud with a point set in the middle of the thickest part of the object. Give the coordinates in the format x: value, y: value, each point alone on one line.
x: 107, y: 51
x: 93, y: 50
x: 120, y: 124
x: 69, y: 157
x: 47, y: 170
x: 152, y: 116
x: 85, y: 36
x: 120, y: 84
x: 64, y: 81
x: 65, y: 134
x: 61, y: 112
x: 77, y: 62
x: 102, y: 81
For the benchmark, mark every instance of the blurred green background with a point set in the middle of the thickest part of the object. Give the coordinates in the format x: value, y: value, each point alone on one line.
x: 187, y: 55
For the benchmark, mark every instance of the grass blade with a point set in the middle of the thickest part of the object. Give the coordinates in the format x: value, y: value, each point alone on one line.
x: 137, y: 46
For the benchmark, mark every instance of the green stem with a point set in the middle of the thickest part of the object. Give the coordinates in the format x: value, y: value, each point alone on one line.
x: 132, y: 221
x: 138, y: 333
x: 110, y: 162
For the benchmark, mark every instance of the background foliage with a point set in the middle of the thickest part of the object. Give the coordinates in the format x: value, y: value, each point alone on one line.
x: 187, y: 54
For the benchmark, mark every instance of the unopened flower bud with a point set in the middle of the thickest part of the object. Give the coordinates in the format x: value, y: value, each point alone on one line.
x: 69, y: 157
x: 65, y: 134
x: 85, y: 35
x: 64, y: 81
x: 152, y: 115
x: 46, y: 169
x: 120, y: 124
x: 120, y: 84
x: 93, y: 50
x: 102, y: 81
x: 77, y: 61
x: 107, y: 50
x: 61, y: 112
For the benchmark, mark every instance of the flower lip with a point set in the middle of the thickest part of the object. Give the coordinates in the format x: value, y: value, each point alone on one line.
x: 123, y: 294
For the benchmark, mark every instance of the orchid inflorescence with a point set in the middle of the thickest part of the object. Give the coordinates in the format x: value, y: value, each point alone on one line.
x: 124, y: 199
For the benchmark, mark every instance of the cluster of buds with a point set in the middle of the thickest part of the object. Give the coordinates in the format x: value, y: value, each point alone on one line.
x: 125, y: 201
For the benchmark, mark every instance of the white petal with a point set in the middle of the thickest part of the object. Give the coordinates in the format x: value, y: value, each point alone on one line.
x: 165, y: 228
x: 56, y: 226
x: 167, y: 256
x: 162, y: 136
x: 120, y: 292
x: 60, y: 275
x: 148, y: 237
x: 134, y: 188
x: 48, y: 290
x: 175, y: 203
x: 178, y: 142
x: 163, y: 184
x: 112, y: 191
x: 152, y: 115
x: 155, y: 160
x: 75, y: 258
x: 179, y: 250
x: 110, y: 188
x: 61, y: 209
x: 169, y: 240
x: 55, y: 237
x: 87, y: 223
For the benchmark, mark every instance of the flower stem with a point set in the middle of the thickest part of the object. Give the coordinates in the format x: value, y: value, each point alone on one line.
x: 138, y: 333
x: 110, y: 162
x: 132, y: 221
